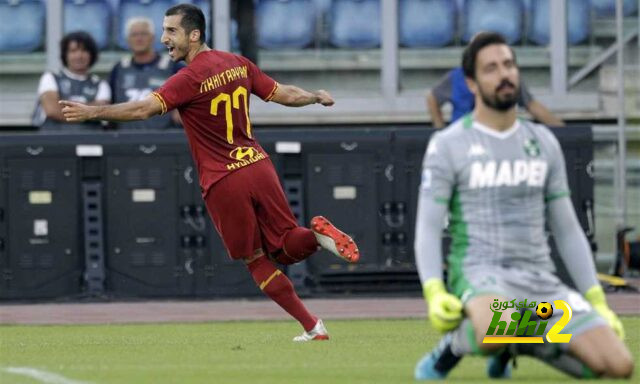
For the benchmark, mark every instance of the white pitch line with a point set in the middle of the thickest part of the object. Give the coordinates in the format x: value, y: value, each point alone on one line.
x: 42, y: 376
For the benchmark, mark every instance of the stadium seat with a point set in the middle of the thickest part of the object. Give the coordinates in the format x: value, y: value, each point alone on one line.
x: 152, y: 9
x: 285, y: 23
x: 323, y: 6
x: 22, y: 24
x: 578, y: 22
x: 355, y: 24
x: 505, y: 17
x: 426, y: 23
x: 92, y: 16
x: 607, y: 8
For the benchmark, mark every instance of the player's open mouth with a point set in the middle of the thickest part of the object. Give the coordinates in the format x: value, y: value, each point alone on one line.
x: 171, y: 49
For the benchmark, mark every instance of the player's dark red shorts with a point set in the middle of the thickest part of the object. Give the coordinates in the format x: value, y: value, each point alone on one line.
x: 250, y: 211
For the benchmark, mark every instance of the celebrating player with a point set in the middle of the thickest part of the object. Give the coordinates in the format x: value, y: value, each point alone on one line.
x: 501, y: 179
x: 239, y: 184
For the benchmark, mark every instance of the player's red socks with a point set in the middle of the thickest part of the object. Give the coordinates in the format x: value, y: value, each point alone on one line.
x: 299, y: 243
x: 278, y: 287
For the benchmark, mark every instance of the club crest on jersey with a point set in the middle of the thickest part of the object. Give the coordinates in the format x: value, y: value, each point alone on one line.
x: 532, y: 148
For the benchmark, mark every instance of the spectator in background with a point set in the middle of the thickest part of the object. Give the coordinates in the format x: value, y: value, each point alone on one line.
x: 243, y: 11
x: 453, y: 88
x: 137, y: 75
x: 78, y: 52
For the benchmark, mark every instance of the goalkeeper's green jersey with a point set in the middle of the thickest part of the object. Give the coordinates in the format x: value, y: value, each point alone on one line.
x: 496, y: 186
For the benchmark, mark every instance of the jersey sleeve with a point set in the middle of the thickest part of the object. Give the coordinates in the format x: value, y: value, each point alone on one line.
x: 261, y: 84
x: 178, y: 90
x: 47, y: 83
x: 556, y: 184
x: 438, y: 174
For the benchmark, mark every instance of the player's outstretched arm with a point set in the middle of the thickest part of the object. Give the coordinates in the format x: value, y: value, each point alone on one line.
x: 293, y: 96
x: 576, y: 254
x: 445, y: 309
x: 133, y: 110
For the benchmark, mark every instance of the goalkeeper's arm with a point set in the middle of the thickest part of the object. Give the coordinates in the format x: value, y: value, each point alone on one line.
x: 445, y: 310
x: 576, y: 254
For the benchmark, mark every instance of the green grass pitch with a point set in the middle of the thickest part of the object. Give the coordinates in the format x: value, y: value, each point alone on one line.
x: 360, y: 351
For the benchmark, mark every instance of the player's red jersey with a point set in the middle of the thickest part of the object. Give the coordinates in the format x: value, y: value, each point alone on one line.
x: 212, y: 95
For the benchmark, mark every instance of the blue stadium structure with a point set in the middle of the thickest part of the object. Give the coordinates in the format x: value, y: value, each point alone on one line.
x: 92, y: 16
x: 278, y: 29
x: 607, y: 8
x: 22, y: 24
x: 506, y: 17
x: 355, y: 24
x: 578, y: 22
x: 427, y: 23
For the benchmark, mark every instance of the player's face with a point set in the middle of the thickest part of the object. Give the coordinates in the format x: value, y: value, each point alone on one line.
x: 78, y: 58
x: 497, y: 77
x: 140, y: 38
x: 175, y: 37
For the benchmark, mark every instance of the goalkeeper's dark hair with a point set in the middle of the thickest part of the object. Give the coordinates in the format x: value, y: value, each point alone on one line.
x: 192, y: 18
x: 479, y: 41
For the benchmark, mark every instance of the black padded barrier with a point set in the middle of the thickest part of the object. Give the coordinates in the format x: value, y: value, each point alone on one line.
x: 40, y: 250
x: 158, y: 240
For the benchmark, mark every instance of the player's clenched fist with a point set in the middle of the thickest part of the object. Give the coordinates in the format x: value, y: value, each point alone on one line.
x: 445, y: 310
x: 76, y: 112
x: 324, y: 98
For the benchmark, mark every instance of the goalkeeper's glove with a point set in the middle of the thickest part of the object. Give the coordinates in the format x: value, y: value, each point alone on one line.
x: 595, y: 296
x: 445, y: 310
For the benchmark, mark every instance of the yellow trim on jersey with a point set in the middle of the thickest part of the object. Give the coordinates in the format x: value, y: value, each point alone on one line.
x: 273, y: 92
x: 273, y: 276
x: 163, y: 105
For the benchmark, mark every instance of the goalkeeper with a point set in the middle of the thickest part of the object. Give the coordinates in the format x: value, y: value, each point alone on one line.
x: 500, y: 179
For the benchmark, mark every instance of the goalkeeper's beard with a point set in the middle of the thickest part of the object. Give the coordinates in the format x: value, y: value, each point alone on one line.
x: 497, y: 102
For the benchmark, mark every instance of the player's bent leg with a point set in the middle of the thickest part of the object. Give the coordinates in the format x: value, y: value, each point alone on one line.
x: 464, y: 340
x: 603, y: 352
x: 334, y: 240
x: 437, y: 364
x: 298, y: 244
x: 478, y: 310
x: 498, y: 366
x: 277, y: 286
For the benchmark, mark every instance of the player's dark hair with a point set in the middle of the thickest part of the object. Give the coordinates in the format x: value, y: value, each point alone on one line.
x: 192, y: 18
x: 479, y: 41
x: 84, y: 40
